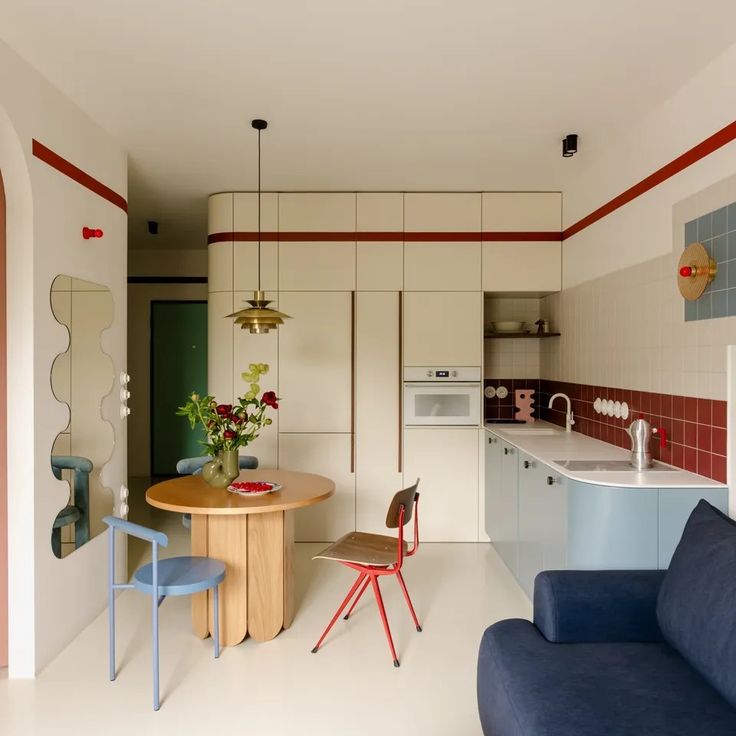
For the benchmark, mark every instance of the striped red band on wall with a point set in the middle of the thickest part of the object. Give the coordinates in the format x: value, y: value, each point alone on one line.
x: 708, y: 146
x: 378, y: 237
x: 81, y: 177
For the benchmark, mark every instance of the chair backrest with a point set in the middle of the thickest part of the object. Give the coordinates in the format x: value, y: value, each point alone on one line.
x: 194, y: 465
x: 405, y: 498
x: 136, y: 530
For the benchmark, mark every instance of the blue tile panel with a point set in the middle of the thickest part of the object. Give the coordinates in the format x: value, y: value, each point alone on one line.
x: 717, y: 232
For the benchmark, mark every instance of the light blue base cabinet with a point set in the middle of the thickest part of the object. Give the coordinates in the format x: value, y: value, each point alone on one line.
x: 540, y: 520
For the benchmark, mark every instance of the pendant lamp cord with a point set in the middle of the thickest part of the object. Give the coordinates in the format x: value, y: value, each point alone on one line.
x: 259, y: 210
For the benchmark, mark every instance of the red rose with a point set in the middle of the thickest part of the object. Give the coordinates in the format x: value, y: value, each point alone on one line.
x: 237, y: 419
x: 270, y: 399
x: 228, y: 434
x: 224, y: 409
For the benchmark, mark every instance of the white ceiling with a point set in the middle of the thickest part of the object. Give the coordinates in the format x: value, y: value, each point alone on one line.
x: 384, y: 94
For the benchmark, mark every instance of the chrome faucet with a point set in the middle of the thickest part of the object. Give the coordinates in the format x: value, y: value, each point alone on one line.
x: 569, y: 419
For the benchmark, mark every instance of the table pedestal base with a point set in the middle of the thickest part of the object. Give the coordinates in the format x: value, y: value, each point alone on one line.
x: 257, y: 595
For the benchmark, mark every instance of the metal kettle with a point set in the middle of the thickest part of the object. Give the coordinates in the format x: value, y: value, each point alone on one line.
x: 640, y: 432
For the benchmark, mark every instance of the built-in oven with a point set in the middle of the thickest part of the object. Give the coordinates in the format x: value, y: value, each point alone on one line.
x: 442, y: 397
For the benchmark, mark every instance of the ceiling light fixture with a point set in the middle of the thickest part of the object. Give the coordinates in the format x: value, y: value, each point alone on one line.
x: 259, y: 318
x: 569, y: 145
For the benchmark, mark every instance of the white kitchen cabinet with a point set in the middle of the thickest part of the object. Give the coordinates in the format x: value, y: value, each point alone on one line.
x: 328, y: 455
x: 442, y: 212
x: 446, y: 462
x: 321, y: 266
x: 220, y: 254
x: 443, y: 328
x: 380, y: 266
x: 522, y: 211
x: 317, y: 212
x: 438, y: 266
x: 315, y: 362
x: 522, y: 267
x: 377, y: 416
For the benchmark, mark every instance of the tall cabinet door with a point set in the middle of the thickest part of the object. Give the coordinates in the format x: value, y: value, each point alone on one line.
x: 378, y: 396
x: 316, y: 388
x: 316, y: 362
x: 446, y: 462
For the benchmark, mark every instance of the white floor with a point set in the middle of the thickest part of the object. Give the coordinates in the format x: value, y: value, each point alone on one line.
x: 349, y: 687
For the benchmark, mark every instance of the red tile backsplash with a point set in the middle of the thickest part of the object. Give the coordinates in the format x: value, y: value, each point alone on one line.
x: 696, y: 428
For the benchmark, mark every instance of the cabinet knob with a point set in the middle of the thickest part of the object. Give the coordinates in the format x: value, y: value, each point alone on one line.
x: 550, y: 480
x: 508, y: 450
x: 527, y: 464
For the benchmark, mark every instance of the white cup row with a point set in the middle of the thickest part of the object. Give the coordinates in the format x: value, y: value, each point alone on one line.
x: 609, y: 408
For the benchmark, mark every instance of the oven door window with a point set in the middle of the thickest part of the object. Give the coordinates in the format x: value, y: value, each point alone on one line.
x: 439, y: 405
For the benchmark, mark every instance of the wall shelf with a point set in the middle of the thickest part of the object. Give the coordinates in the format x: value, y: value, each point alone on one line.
x: 517, y: 335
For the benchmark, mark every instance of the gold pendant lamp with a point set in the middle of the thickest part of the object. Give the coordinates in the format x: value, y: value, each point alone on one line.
x: 259, y: 318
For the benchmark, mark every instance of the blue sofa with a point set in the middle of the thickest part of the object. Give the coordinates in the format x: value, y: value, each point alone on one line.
x: 622, y: 653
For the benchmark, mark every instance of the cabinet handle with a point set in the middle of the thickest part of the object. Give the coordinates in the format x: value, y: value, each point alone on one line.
x: 352, y: 382
x: 508, y: 450
x: 400, y: 454
x: 550, y: 480
x: 527, y: 464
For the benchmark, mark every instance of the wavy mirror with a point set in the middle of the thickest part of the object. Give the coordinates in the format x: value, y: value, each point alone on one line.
x: 81, y: 377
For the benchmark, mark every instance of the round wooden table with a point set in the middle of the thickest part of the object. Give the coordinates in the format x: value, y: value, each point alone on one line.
x: 254, y: 537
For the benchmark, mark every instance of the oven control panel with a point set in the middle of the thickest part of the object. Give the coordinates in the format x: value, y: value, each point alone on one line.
x: 442, y: 373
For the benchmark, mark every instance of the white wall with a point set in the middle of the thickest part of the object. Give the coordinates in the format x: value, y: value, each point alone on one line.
x: 642, y: 229
x: 51, y: 600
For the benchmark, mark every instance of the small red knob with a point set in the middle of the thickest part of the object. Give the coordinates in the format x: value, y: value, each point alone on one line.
x: 98, y: 233
x: 91, y: 232
x: 686, y: 271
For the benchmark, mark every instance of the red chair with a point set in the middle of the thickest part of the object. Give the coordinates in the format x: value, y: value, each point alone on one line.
x: 374, y: 555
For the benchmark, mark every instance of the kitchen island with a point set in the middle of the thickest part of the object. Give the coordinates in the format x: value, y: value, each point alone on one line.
x: 542, y: 514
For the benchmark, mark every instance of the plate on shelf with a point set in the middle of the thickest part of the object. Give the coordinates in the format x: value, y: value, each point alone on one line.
x: 253, y: 488
x: 507, y: 326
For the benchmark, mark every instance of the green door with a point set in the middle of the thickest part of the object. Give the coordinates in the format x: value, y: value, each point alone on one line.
x: 178, y: 368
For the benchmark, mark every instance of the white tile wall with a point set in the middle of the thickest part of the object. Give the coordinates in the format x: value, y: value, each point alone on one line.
x: 627, y: 329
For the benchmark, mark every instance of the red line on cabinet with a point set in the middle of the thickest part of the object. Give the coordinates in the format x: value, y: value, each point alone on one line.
x: 74, y: 172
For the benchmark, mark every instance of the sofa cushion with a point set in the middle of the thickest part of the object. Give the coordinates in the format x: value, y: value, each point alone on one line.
x: 696, y: 607
x: 528, y: 686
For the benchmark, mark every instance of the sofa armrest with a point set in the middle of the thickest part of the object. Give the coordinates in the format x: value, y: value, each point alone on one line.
x: 597, y: 606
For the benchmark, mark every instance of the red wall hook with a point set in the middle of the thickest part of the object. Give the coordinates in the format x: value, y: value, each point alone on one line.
x: 91, y: 232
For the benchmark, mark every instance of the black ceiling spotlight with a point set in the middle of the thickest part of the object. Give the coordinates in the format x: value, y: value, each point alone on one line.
x: 152, y: 227
x: 570, y: 145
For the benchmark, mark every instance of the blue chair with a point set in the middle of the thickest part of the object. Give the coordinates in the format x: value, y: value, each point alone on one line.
x: 194, y: 465
x: 76, y: 512
x: 161, y: 578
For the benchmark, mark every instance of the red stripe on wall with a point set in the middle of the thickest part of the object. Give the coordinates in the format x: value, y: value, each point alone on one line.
x: 376, y: 237
x: 81, y: 177
x: 708, y: 146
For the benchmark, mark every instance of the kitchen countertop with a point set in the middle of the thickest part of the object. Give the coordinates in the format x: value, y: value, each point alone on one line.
x: 575, y: 446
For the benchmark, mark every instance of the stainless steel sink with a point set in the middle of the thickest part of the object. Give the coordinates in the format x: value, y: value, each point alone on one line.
x: 605, y: 465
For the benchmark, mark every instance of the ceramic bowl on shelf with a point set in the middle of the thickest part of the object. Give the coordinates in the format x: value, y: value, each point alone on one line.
x: 507, y: 326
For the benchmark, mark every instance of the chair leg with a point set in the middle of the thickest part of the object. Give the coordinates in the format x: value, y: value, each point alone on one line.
x: 408, y: 600
x: 382, y: 611
x: 356, y: 584
x: 216, y: 616
x: 357, y: 598
x: 154, y: 599
x: 111, y: 604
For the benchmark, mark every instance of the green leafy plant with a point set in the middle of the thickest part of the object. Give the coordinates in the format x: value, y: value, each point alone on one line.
x: 230, y: 426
